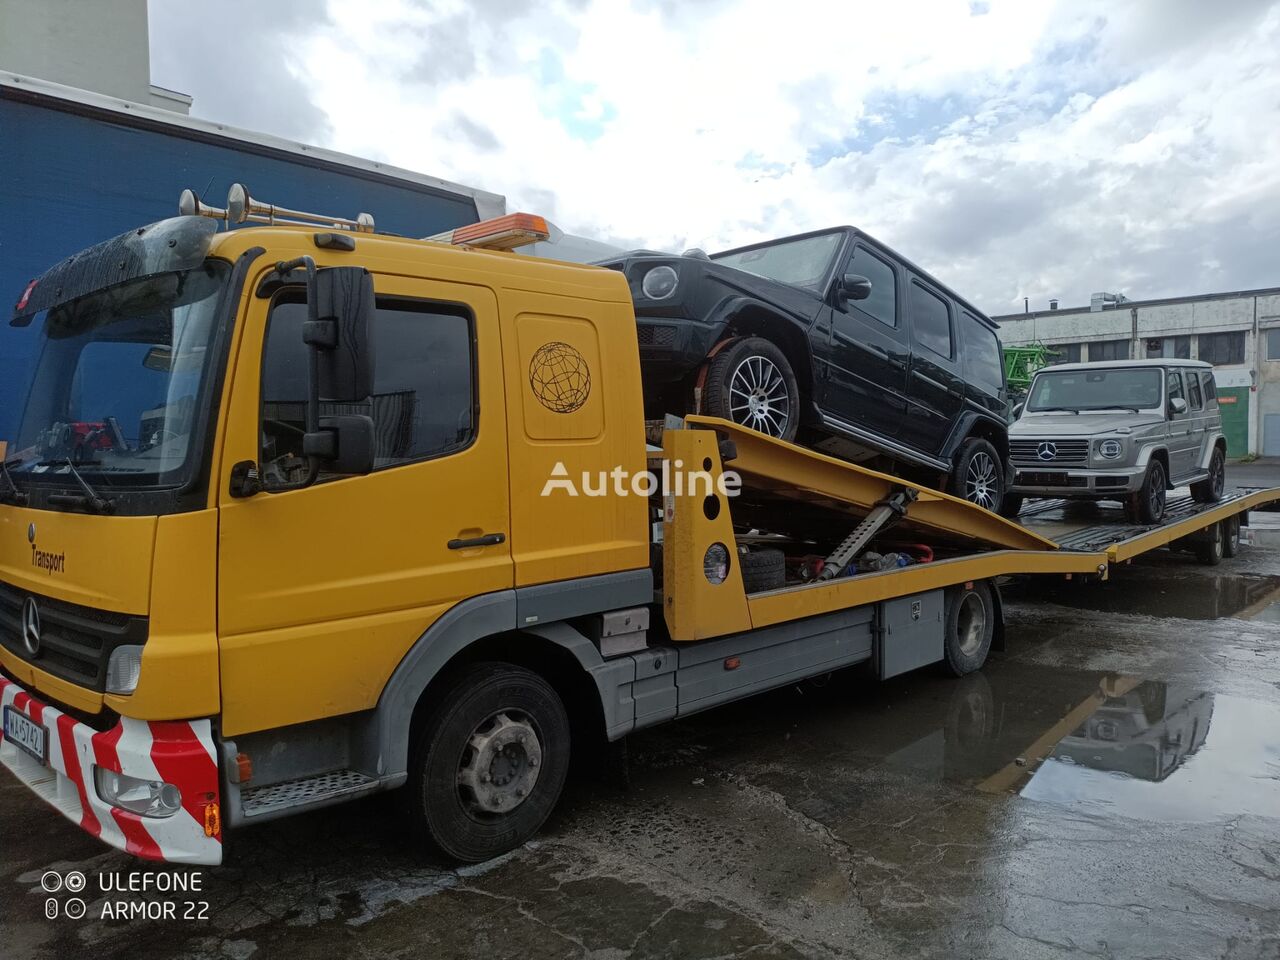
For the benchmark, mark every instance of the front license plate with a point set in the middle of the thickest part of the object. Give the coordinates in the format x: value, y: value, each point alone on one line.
x: 25, y: 733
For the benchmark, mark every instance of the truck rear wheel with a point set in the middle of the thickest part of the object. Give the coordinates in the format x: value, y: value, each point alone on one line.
x: 1231, y: 536
x: 1210, y: 548
x: 970, y: 624
x: 750, y: 382
x: 488, y: 763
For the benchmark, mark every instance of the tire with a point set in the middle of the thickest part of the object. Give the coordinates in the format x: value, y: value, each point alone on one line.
x: 1209, y: 549
x: 1011, y: 506
x: 969, y: 622
x: 498, y: 705
x: 978, y: 474
x: 762, y: 569
x: 1147, y: 505
x: 1209, y: 490
x: 1231, y: 536
x: 750, y: 382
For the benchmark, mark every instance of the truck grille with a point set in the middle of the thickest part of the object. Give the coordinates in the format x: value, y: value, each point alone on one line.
x: 1063, y: 451
x: 75, y: 641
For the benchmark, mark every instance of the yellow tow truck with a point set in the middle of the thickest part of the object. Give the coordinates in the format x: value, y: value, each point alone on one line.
x: 299, y: 512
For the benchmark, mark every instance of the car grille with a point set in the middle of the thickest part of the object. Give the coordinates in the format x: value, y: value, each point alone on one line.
x: 1032, y: 478
x: 75, y: 641
x: 655, y: 334
x: 1064, y: 451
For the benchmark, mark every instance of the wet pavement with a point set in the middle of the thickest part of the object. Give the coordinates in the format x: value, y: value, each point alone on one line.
x: 1109, y: 785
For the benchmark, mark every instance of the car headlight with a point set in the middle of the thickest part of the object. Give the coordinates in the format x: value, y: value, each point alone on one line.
x: 1110, y: 449
x: 659, y: 283
x: 149, y: 798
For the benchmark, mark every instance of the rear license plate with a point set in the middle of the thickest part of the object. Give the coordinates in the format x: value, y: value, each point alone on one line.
x: 25, y: 733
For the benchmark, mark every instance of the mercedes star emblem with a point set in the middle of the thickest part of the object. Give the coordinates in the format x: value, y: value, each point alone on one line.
x: 31, y: 626
x: 1047, y: 450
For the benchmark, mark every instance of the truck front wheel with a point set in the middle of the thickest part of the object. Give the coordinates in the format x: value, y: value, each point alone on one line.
x: 488, y: 763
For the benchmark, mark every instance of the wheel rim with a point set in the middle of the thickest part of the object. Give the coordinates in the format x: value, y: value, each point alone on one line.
x: 1155, y: 496
x: 981, y: 481
x: 758, y: 396
x: 1216, y: 542
x: 1218, y: 479
x: 500, y: 764
x: 971, y: 624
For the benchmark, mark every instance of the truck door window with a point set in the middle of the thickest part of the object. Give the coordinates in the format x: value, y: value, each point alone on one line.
x: 883, y: 302
x: 1193, y: 391
x: 423, y: 403
x: 931, y: 320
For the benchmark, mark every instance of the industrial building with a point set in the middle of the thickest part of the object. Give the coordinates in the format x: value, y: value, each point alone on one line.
x: 1238, y: 332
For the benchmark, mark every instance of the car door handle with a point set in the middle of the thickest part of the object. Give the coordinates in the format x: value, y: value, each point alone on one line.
x: 487, y: 540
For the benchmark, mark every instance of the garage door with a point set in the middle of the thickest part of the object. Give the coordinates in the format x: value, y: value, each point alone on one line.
x: 1234, y: 404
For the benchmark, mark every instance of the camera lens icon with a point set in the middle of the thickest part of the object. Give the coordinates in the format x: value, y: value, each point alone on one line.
x: 51, y: 881
x: 75, y: 908
x: 74, y: 881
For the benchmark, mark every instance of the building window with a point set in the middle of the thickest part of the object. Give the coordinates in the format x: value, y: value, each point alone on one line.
x: 1221, y: 349
x: 1169, y: 348
x: 1064, y: 353
x: 1273, y: 344
x: 1109, y: 350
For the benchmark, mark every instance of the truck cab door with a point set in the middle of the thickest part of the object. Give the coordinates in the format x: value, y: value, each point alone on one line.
x: 322, y: 590
x: 867, y: 360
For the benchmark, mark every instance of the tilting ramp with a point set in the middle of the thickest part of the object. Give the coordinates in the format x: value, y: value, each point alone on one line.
x: 797, y: 478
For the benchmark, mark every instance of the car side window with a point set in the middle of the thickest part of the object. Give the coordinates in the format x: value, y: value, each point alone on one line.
x: 423, y: 402
x: 1193, y: 392
x: 1175, y: 385
x: 1210, y: 388
x: 883, y: 302
x: 931, y: 321
x: 983, y: 362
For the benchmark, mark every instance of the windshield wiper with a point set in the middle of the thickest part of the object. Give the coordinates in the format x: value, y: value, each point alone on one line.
x: 13, y: 494
x: 89, y: 499
x: 1054, y: 410
x: 1115, y: 406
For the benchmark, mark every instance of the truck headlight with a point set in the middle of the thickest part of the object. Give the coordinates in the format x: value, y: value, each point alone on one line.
x: 659, y: 283
x: 1110, y: 449
x: 149, y: 798
x: 124, y: 668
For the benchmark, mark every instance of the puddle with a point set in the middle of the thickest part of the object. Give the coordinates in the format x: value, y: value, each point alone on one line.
x: 1167, y: 753
x: 1160, y: 592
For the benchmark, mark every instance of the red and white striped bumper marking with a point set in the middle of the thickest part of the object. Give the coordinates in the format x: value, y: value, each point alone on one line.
x: 177, y: 752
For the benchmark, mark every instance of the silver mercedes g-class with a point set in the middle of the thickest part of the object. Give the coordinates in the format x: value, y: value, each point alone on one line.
x: 1126, y: 430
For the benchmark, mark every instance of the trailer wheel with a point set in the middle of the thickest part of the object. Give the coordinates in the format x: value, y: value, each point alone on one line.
x: 970, y: 624
x: 751, y: 383
x: 1231, y: 536
x: 762, y: 569
x: 489, y: 762
x: 1209, y: 549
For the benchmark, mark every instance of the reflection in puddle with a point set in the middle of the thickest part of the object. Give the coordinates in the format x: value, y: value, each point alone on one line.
x: 1165, y: 752
x: 1159, y: 592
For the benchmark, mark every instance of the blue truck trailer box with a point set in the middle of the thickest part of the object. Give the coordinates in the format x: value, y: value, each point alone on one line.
x: 77, y: 168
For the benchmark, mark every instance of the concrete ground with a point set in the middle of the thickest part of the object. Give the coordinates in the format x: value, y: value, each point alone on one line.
x: 1109, y: 785
x: 1263, y: 472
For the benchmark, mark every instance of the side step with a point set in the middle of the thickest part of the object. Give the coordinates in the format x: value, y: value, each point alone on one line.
x: 264, y: 803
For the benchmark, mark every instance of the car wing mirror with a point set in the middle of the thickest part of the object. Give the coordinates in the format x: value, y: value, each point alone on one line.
x: 855, y: 287
x: 1177, y: 406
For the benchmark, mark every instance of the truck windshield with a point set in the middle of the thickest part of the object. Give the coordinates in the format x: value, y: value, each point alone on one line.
x: 117, y: 383
x: 803, y: 263
x: 1079, y: 390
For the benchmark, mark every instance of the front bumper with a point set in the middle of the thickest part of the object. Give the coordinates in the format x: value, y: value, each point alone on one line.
x: 673, y: 347
x: 178, y: 752
x: 1092, y: 483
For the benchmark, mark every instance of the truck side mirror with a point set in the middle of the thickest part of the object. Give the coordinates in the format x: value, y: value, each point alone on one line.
x: 344, y: 444
x: 340, y: 333
x: 855, y: 287
x: 1177, y: 406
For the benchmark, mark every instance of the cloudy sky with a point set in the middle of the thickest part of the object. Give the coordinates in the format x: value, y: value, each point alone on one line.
x: 1013, y: 147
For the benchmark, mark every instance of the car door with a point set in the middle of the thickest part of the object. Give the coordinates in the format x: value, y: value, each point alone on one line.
x: 357, y: 568
x: 1179, y: 430
x: 935, y: 387
x: 867, y: 352
x: 1198, y: 420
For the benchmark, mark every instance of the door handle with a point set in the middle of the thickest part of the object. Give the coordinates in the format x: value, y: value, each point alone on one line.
x: 487, y: 540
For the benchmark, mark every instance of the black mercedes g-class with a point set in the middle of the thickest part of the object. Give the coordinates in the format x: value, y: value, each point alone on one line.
x: 832, y: 340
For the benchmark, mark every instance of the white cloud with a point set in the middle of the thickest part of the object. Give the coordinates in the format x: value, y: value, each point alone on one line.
x: 1036, y: 149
